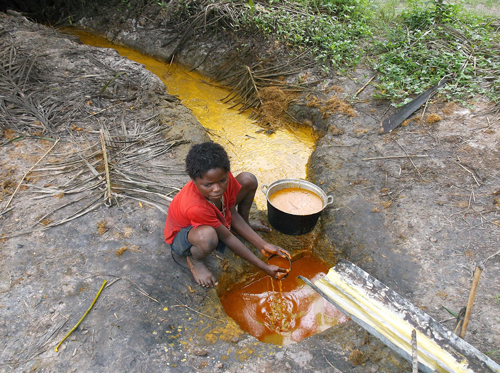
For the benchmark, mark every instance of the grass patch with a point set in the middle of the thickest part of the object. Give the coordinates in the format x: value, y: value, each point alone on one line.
x: 411, y: 44
x: 331, y: 30
x: 431, y: 43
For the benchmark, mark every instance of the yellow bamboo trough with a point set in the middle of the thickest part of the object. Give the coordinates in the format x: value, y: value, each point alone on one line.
x: 392, y: 319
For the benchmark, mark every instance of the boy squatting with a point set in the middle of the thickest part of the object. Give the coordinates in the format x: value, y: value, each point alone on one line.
x: 201, y: 216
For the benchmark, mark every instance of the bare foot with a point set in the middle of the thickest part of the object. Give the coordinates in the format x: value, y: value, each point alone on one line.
x: 259, y: 226
x: 202, y: 275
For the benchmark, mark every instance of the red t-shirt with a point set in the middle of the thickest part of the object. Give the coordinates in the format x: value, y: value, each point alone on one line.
x: 190, y: 208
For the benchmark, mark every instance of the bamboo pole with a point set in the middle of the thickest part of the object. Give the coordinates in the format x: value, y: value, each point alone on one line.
x: 472, y: 295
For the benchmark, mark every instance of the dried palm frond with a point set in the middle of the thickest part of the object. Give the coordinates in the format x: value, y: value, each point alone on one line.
x: 38, y: 97
x: 247, y: 84
x: 102, y: 173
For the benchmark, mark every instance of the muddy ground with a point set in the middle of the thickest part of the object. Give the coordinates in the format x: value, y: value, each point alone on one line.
x: 418, y: 224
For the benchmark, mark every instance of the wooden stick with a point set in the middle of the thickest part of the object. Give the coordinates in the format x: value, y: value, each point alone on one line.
x: 411, y: 160
x: 395, y: 156
x: 363, y: 87
x: 81, y: 319
x: 472, y: 295
x: 254, y: 85
x: 107, y: 197
x: 26, y: 174
x: 469, y: 171
x: 414, y: 351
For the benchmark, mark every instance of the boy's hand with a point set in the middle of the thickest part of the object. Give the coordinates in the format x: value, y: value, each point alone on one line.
x: 270, y: 249
x: 276, y: 272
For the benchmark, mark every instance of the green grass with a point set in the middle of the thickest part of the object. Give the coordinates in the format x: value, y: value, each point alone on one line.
x: 331, y: 30
x: 494, y: 354
x: 428, y: 44
x: 411, y: 44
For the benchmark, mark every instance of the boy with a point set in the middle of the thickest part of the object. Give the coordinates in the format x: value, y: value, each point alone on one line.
x: 202, y: 214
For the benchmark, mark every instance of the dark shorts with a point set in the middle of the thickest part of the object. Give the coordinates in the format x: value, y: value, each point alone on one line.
x: 181, y: 245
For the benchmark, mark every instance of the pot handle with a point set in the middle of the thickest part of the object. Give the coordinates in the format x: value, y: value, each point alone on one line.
x: 329, y: 200
x: 262, y: 189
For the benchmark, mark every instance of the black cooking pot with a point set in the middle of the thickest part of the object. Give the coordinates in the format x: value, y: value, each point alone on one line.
x: 290, y: 223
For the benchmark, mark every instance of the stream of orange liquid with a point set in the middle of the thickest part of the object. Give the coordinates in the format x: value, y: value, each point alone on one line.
x: 281, y: 155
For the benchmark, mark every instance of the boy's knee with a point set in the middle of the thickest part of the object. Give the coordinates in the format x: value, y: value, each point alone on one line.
x: 204, y: 238
x: 247, y: 180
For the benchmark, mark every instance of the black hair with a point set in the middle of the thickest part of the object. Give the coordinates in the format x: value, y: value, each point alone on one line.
x: 205, y: 157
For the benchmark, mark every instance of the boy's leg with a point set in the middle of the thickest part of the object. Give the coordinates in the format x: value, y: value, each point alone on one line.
x: 245, y: 197
x: 204, y: 240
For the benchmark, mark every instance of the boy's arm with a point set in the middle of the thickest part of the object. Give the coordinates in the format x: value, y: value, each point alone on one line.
x: 241, y: 226
x: 241, y: 250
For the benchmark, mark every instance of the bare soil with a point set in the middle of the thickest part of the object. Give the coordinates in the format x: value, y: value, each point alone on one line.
x: 418, y: 209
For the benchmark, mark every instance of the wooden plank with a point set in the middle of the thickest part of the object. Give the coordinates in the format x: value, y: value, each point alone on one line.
x: 391, y: 318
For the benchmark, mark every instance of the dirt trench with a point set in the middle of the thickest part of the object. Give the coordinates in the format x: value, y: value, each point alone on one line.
x: 418, y: 224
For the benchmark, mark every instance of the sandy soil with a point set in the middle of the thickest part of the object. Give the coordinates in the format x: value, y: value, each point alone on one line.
x: 419, y: 224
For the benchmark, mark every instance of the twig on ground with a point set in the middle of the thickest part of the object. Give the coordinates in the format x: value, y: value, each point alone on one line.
x: 409, y: 157
x: 491, y: 256
x: 142, y: 291
x: 469, y: 171
x: 113, y: 282
x: 191, y: 309
x: 335, y: 370
x: 107, y: 196
x: 81, y: 319
x: 364, y: 86
x: 396, y: 156
x: 5, y: 211
x: 26, y: 174
x: 347, y: 207
x: 38, y: 349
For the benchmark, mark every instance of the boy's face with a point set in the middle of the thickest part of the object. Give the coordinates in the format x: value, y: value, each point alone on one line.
x: 212, y: 184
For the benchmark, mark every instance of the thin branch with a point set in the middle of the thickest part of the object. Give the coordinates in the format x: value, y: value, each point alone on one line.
x: 191, y: 309
x: 409, y: 157
x: 396, y: 156
x: 364, y: 86
x: 108, y: 194
x: 469, y: 171
x: 26, y: 174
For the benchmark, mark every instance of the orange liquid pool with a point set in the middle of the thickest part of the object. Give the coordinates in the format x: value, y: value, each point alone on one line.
x: 283, y: 312
x: 296, y: 201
